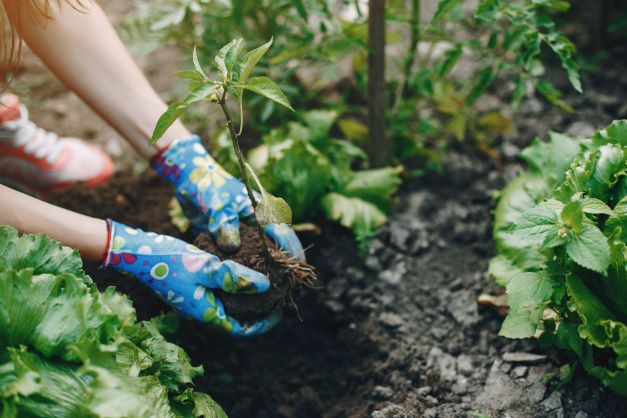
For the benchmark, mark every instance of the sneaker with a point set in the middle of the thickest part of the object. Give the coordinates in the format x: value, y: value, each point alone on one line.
x: 37, y: 161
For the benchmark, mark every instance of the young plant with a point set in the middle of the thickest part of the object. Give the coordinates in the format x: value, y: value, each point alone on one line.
x: 560, y: 231
x: 235, y: 69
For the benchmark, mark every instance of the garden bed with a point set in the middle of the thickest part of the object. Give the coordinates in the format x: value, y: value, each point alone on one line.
x: 398, y: 332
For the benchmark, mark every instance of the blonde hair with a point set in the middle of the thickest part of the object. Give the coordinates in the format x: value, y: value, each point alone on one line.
x: 13, y: 13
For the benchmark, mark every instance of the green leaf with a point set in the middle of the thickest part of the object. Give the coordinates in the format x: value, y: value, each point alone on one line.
x: 361, y: 217
x: 201, y: 404
x: 375, y: 186
x: 484, y: 80
x: 273, y: 210
x: 444, y: 6
x: 451, y: 57
x: 536, y: 224
x: 528, y: 294
x: 596, y: 206
x: 38, y: 252
x: 176, y: 108
x: 502, y: 270
x: 589, y: 248
x: 610, y: 163
x: 299, y: 173
x: 270, y: 209
x: 551, y: 159
x: 268, y: 89
x: 190, y: 74
x: 250, y: 60
x: 300, y: 8
x: 591, y: 311
x: 228, y: 57
x: 572, y: 215
x: 197, y: 64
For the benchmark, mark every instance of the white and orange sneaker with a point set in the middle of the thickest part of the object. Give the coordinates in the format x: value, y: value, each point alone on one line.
x: 37, y: 161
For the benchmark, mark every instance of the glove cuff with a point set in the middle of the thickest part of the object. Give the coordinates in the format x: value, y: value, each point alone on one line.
x: 170, y: 162
x: 106, y: 255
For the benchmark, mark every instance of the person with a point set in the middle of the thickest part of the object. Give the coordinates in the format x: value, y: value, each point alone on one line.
x: 79, y: 45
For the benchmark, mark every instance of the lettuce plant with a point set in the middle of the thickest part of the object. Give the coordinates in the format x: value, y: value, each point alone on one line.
x: 560, y: 230
x: 316, y: 173
x: 235, y: 69
x: 69, y: 350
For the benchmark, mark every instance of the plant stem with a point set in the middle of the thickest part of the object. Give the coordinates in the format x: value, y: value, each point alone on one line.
x: 412, y: 51
x: 242, y: 166
x: 378, y: 148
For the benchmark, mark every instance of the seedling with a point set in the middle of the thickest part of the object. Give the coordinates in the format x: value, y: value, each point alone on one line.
x: 235, y: 69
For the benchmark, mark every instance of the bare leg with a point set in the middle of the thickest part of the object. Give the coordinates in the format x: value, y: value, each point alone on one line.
x: 27, y: 214
x: 83, y: 50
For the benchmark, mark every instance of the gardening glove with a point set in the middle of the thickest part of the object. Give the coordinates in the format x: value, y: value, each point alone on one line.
x: 213, y: 199
x: 184, y: 276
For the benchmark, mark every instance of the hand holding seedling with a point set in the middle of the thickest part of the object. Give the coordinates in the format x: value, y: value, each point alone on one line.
x: 184, y: 276
x: 212, y: 198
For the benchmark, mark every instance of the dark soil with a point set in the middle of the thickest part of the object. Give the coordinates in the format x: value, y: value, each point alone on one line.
x: 247, y: 307
x: 397, y: 333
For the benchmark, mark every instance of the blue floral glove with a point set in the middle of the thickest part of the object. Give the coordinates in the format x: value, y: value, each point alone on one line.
x: 212, y: 199
x: 183, y: 276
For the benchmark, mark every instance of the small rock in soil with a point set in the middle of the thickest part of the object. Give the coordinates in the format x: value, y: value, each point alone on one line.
x: 500, y: 391
x: 519, y: 371
x: 464, y: 365
x: 391, y: 319
x: 462, y: 306
x: 553, y: 404
x: 443, y: 362
x: 424, y: 390
x: 395, y: 273
x: 524, y: 358
x: 393, y: 411
x: 383, y: 392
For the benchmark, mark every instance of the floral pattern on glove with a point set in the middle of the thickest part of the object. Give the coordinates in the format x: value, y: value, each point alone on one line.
x: 184, y: 276
x: 213, y: 199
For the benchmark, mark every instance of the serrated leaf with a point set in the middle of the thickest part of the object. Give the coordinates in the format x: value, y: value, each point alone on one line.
x: 572, y: 215
x: 589, y: 248
x: 250, y: 60
x: 502, y: 270
x: 528, y: 294
x: 596, y: 206
x: 536, y: 224
x: 268, y: 89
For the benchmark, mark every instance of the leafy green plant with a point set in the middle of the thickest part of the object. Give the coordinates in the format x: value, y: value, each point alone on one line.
x: 303, y: 164
x: 560, y: 233
x: 235, y: 70
x: 315, y: 172
x: 69, y: 350
x: 433, y: 87
x: 440, y: 84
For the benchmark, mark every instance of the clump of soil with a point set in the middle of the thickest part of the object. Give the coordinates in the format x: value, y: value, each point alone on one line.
x: 287, y: 276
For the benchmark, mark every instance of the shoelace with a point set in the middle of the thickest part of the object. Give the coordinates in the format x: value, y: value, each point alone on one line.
x: 36, y: 141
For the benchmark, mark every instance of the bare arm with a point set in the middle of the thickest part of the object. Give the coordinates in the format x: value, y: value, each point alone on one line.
x: 83, y: 50
x: 27, y: 214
